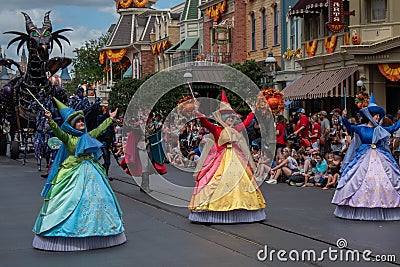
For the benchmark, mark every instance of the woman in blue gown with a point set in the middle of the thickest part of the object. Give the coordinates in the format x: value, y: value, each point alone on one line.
x: 369, y: 185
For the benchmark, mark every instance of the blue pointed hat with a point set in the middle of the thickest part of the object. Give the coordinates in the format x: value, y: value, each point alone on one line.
x: 373, y: 108
x: 67, y: 113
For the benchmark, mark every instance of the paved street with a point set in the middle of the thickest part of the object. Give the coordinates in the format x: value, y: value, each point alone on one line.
x: 159, y: 234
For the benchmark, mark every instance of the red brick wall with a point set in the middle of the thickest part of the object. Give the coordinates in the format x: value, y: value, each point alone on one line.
x: 148, y: 65
x: 238, y: 33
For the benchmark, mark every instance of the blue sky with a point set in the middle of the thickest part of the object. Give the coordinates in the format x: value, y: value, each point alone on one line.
x: 89, y: 19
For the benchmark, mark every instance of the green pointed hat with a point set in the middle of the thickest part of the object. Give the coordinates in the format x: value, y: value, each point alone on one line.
x: 67, y: 113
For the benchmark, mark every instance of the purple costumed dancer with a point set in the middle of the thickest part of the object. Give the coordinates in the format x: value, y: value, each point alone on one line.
x: 369, y: 185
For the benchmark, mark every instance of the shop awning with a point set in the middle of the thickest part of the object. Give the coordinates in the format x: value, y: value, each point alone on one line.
x: 331, y: 83
x: 188, y: 44
x: 128, y: 73
x: 307, y: 6
x: 172, y: 49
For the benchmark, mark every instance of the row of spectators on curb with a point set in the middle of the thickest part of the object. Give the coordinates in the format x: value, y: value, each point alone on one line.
x: 310, y: 149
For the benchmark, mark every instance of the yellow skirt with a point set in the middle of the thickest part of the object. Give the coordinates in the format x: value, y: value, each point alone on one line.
x: 232, y: 187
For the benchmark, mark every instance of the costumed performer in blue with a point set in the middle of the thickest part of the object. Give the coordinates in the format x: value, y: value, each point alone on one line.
x: 369, y: 185
x: 80, y: 210
x: 226, y: 190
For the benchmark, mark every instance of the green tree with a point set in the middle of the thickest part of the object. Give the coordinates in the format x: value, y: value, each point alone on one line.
x: 123, y: 91
x: 252, y: 69
x: 87, y: 68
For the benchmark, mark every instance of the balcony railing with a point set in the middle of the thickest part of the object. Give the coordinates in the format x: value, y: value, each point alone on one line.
x: 222, y: 58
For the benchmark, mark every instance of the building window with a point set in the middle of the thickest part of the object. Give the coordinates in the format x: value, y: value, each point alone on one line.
x: 378, y: 10
x: 253, y: 32
x: 166, y: 28
x: 292, y: 44
x: 264, y: 29
x: 159, y: 31
x: 276, y: 26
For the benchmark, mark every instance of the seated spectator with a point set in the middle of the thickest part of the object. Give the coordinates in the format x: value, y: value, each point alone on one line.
x: 310, y: 174
x: 284, y: 168
x: 322, y: 167
x: 332, y: 171
x: 263, y: 167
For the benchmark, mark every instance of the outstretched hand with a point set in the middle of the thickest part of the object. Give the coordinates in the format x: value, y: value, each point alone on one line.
x: 47, y: 114
x: 114, y: 113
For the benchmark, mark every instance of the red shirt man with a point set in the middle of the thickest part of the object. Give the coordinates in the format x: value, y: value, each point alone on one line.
x: 315, y: 129
x: 302, y: 128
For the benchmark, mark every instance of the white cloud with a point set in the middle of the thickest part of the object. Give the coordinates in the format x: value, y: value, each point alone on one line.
x: 48, y: 4
x: 15, y: 21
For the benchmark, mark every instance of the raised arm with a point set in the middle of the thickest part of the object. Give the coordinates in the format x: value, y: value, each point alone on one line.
x: 103, y: 126
x: 349, y: 127
x: 245, y: 123
x: 206, y: 123
x: 393, y: 128
x: 63, y: 136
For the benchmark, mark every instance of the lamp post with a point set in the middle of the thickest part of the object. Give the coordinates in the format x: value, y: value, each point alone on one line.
x: 360, y: 84
x: 189, y: 78
x: 270, y: 71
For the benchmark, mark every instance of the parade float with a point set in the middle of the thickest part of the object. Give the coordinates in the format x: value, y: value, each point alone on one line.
x: 17, y: 98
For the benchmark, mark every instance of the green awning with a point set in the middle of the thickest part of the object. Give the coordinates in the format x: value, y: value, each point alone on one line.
x: 188, y: 44
x: 128, y: 73
x: 172, y: 49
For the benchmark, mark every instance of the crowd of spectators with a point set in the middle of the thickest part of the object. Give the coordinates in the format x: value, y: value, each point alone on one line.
x: 309, y: 149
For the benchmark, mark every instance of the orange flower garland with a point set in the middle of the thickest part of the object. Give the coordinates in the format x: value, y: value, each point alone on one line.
x: 186, y: 106
x: 362, y: 100
x: 330, y: 43
x: 311, y: 48
x: 140, y: 3
x: 274, y: 98
x: 125, y: 3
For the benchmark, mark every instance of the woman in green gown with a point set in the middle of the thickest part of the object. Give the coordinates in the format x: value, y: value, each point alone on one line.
x: 80, y: 210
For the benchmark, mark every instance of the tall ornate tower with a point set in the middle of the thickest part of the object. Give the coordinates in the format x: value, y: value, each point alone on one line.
x: 23, y: 60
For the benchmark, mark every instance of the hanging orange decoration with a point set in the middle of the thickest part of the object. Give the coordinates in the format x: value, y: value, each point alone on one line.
x: 347, y: 38
x: 362, y: 100
x: 125, y: 3
x: 116, y: 55
x: 311, y: 48
x: 330, y: 43
x: 140, y: 3
x: 274, y: 98
x: 154, y: 49
x: 216, y: 11
x: 102, y: 57
x: 390, y: 71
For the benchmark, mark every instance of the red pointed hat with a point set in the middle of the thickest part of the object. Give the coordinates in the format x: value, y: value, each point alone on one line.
x: 223, y: 97
x: 224, y: 106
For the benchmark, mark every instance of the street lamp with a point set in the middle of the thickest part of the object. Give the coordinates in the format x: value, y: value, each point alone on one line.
x: 188, y: 77
x: 360, y: 84
x: 270, y: 71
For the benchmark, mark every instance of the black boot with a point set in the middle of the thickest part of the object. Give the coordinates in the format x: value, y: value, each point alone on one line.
x: 145, y: 185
